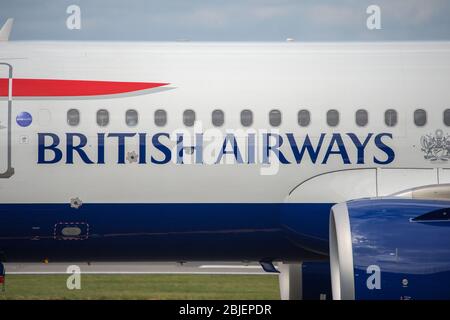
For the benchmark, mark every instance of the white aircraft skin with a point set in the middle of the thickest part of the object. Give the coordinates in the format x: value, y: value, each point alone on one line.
x: 231, y: 77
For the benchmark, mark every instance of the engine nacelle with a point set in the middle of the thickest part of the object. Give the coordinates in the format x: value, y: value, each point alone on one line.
x: 390, y: 248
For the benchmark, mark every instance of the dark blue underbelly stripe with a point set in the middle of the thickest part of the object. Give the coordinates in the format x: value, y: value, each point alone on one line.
x: 184, y: 231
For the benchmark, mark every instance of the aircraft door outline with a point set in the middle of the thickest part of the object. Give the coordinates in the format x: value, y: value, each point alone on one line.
x: 6, y: 169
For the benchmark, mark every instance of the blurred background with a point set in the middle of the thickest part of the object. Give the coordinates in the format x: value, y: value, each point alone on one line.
x: 232, y: 20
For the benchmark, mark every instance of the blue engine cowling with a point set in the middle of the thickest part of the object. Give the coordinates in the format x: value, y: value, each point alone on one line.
x: 390, y: 248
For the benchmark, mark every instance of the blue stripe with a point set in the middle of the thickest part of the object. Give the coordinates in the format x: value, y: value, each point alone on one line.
x: 171, y: 232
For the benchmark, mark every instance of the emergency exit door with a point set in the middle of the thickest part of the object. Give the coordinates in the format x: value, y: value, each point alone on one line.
x: 6, y: 83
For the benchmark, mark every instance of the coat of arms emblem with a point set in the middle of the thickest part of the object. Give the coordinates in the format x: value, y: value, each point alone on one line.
x: 436, y: 147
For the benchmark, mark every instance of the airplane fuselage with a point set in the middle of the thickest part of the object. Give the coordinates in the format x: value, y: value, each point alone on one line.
x: 189, y: 173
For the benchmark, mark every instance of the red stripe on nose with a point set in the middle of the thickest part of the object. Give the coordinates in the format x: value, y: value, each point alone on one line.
x: 71, y: 88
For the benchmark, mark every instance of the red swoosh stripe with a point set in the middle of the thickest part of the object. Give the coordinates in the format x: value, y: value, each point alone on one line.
x: 71, y: 88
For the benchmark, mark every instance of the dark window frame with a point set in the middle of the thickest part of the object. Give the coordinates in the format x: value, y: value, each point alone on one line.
x: 300, y: 118
x: 242, y: 118
x: 187, y: 120
x: 394, y: 120
x: 78, y: 117
x: 329, y: 118
x: 107, y: 117
x: 275, y: 117
x: 160, y: 117
x: 418, y: 120
x: 127, y: 117
x: 221, y: 118
x: 446, y: 118
x: 365, y: 119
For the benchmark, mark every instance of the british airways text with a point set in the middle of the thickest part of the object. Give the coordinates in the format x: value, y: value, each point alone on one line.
x: 252, y: 148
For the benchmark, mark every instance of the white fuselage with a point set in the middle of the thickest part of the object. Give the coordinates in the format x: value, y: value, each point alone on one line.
x: 230, y: 77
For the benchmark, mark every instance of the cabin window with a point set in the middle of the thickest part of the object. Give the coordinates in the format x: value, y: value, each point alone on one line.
x: 189, y: 118
x: 102, y: 117
x: 361, y: 117
x: 73, y: 117
x: 160, y: 118
x: 390, y: 118
x: 420, y: 117
x: 246, y: 118
x: 304, y: 118
x: 447, y: 117
x: 218, y: 118
x: 275, y: 118
x: 332, y: 118
x: 131, y: 118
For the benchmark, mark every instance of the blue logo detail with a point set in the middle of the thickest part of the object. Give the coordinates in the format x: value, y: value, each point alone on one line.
x: 347, y: 148
x: 24, y: 119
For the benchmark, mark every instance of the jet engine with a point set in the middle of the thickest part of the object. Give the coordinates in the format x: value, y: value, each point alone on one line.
x: 390, y: 248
